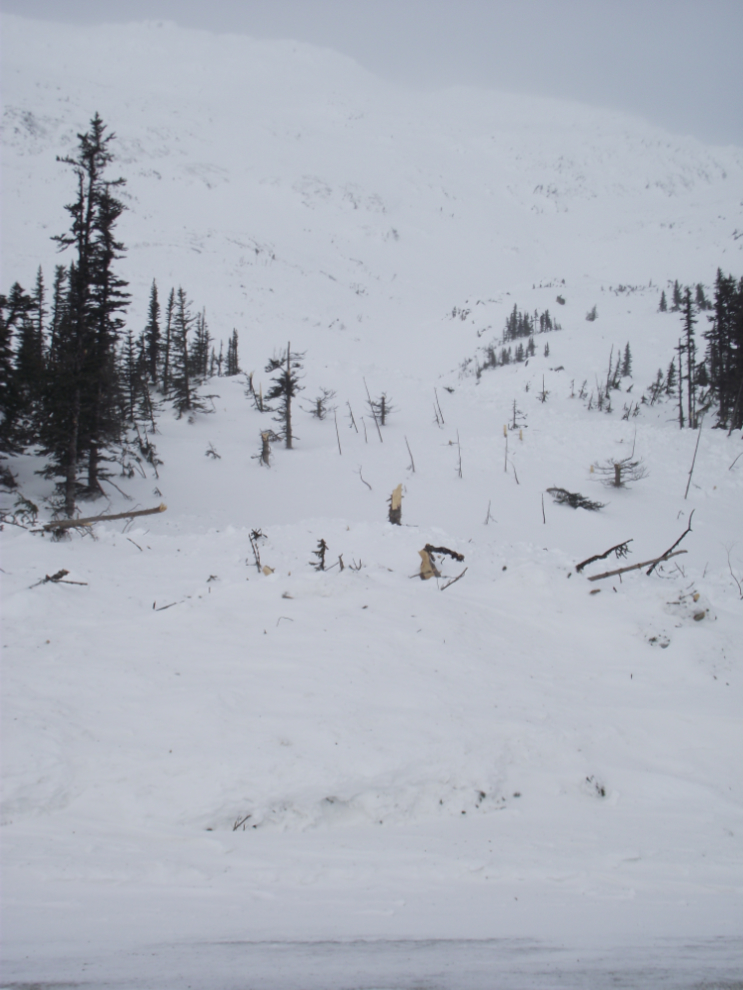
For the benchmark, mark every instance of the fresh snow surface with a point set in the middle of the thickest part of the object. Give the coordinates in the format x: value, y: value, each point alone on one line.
x: 523, y: 779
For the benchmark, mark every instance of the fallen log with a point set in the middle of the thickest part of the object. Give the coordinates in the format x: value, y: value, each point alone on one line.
x: 636, y: 567
x: 72, y: 523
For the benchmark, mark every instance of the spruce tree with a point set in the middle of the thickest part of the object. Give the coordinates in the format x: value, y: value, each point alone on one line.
x: 14, y: 315
x: 663, y: 305
x: 82, y: 414
x: 183, y: 383
x: 724, y: 357
x: 627, y: 362
x: 233, y: 365
x: 199, y: 356
x: 285, y: 368
x: 677, y: 297
x: 152, y: 334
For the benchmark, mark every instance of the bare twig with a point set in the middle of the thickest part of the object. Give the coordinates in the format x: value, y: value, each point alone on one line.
x: 453, y: 580
x: 668, y: 551
x: 439, y: 406
x: 412, y: 462
x: 734, y: 462
x: 373, y: 411
x: 544, y: 518
x: 635, y: 567
x: 129, y: 498
x: 694, y: 458
x: 488, y: 517
x: 335, y: 417
x: 364, y: 480
x: 135, y: 544
x: 732, y: 573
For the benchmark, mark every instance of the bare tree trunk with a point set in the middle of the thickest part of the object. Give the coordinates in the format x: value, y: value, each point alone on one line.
x: 71, y: 470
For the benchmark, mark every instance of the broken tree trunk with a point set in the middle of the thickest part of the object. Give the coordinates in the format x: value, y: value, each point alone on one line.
x: 395, y: 506
x: 71, y: 523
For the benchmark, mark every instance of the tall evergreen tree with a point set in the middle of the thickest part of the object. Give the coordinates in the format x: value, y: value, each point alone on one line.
x: 152, y: 334
x: 627, y: 362
x: 15, y: 311
x: 82, y: 412
x: 182, y: 381
x: 285, y: 370
x: 233, y: 365
x: 199, y: 355
x: 724, y: 357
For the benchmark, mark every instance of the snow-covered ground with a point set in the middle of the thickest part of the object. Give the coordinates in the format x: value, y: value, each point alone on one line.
x: 545, y: 765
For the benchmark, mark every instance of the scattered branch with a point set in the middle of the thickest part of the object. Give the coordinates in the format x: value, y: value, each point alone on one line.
x: 444, y: 550
x: 635, y: 567
x: 620, y: 550
x: 454, y: 580
x: 72, y: 523
x: 58, y: 578
x: 668, y: 551
x: 573, y: 499
x: 412, y: 462
x: 364, y: 480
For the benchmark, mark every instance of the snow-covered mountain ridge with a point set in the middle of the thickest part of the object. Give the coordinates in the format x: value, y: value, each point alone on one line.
x: 524, y: 754
x: 282, y: 168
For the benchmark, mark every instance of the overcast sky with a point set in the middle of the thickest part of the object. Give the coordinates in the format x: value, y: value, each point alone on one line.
x: 677, y: 63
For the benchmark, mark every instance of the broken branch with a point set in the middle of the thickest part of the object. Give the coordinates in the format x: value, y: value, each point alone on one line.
x: 635, y: 567
x: 621, y: 550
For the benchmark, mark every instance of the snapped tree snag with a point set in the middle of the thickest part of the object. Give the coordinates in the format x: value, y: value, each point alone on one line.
x: 429, y: 568
x: 395, y: 506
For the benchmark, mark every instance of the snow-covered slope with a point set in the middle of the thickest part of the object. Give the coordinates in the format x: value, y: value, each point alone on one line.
x: 514, y: 756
